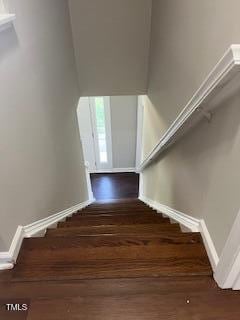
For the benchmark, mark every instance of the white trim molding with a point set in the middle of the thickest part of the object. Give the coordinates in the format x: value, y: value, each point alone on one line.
x: 224, y: 71
x: 140, y: 115
x: 209, y: 245
x: 88, y: 181
x: 43, y: 224
x: 140, y: 189
x: 114, y: 170
x: 228, y: 271
x: 195, y: 225
x: 191, y: 223
x: 9, y: 258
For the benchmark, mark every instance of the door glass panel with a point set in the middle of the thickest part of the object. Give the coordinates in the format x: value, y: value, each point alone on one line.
x: 101, y: 129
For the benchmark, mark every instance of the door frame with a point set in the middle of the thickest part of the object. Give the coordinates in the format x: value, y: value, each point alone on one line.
x: 100, y: 166
x: 86, y: 133
x: 140, y: 115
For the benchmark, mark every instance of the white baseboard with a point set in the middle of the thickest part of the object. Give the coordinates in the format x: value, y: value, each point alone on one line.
x: 141, y: 184
x: 9, y: 258
x: 188, y: 221
x: 209, y: 245
x: 228, y: 271
x: 114, y: 170
x: 195, y: 225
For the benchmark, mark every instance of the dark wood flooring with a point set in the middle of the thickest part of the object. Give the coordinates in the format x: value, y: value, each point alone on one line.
x: 117, y: 260
x: 114, y: 185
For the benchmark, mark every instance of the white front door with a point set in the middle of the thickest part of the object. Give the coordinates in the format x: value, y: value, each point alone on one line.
x: 101, y: 125
x: 94, y: 119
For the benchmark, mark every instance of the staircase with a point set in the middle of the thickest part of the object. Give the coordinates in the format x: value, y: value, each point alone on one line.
x: 119, y: 239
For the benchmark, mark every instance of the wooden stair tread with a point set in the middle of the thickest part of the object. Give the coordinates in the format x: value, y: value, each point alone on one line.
x: 118, y: 202
x: 117, y: 206
x: 121, y: 215
x: 82, y: 213
x: 113, y: 214
x: 112, y: 287
x: 122, y: 200
x: 79, y: 262
x: 143, y: 274
x: 119, y: 209
x: 112, y: 229
x: 76, y: 253
x: 110, y: 241
x: 128, y: 299
x: 82, y: 221
x: 119, y: 268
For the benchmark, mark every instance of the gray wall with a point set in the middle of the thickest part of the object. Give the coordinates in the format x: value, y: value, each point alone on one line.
x: 40, y: 163
x: 124, y: 130
x: 111, y: 45
x: 199, y: 175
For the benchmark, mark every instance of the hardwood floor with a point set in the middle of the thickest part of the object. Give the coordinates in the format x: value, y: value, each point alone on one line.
x: 117, y: 260
x: 114, y: 185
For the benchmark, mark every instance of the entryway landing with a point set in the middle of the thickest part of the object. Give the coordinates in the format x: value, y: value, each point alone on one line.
x: 107, y: 186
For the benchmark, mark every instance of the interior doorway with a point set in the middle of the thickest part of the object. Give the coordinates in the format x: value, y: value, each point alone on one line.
x: 95, y: 132
x: 109, y: 132
x: 101, y: 132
